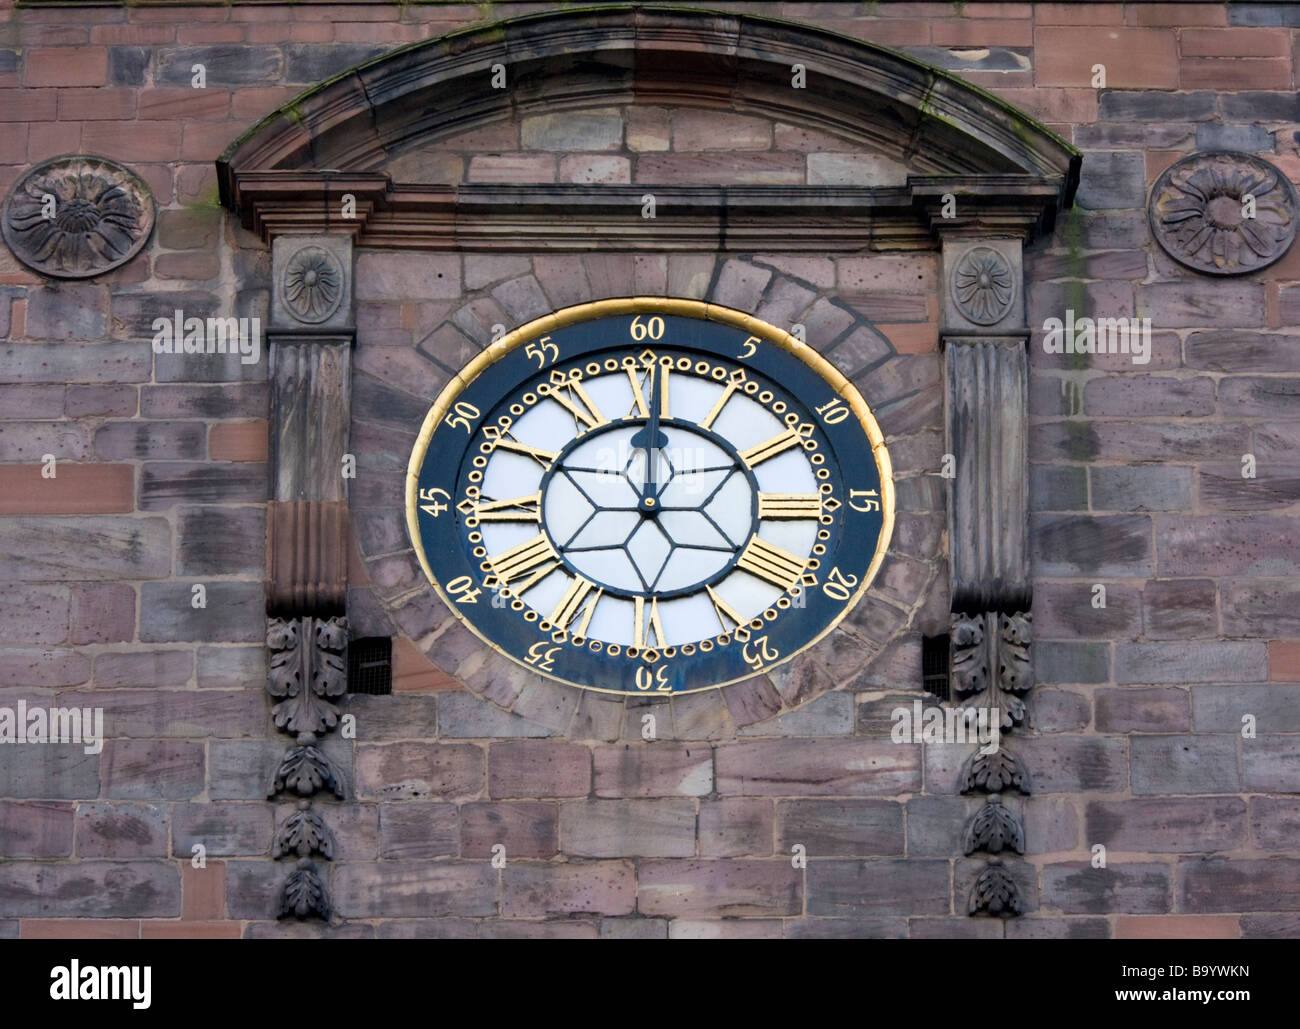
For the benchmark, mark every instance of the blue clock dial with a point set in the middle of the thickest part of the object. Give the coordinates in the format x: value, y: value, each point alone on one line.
x: 650, y: 497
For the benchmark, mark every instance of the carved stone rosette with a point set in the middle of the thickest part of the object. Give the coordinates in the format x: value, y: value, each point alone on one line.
x: 1223, y: 213
x: 307, y: 533
x: 77, y: 216
x: 986, y: 414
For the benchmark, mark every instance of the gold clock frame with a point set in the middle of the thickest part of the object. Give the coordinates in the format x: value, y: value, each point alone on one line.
x: 653, y: 305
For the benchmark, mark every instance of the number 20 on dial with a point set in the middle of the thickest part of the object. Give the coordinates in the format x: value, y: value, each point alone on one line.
x: 650, y: 497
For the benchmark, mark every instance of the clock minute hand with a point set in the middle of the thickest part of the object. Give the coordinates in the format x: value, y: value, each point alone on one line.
x: 652, y: 439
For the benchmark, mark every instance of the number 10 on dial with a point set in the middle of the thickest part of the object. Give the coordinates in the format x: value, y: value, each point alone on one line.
x: 650, y: 497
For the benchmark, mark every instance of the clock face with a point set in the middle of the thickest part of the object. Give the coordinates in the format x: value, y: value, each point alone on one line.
x: 650, y: 496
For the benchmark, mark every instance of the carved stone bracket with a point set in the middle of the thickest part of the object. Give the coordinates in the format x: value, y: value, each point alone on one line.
x: 308, y: 668
x: 306, y: 557
x: 990, y: 662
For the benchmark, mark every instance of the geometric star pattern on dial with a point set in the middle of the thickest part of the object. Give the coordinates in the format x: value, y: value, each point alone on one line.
x: 697, y: 532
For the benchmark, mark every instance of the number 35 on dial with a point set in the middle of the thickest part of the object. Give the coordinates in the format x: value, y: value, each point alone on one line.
x: 650, y: 496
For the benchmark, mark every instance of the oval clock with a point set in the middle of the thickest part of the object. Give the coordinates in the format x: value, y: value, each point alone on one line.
x: 650, y: 496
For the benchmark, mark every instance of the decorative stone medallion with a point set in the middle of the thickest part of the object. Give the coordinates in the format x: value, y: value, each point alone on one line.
x: 77, y: 216
x: 312, y: 284
x: 983, y: 286
x: 311, y: 277
x: 1223, y: 213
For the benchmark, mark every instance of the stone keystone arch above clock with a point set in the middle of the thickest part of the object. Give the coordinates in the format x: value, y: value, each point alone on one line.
x: 416, y: 212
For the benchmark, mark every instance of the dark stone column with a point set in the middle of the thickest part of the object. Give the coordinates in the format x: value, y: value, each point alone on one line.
x: 310, y: 341
x: 984, y: 337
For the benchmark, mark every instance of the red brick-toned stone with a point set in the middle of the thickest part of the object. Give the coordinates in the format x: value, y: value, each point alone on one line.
x: 66, y: 66
x: 1058, y: 105
x: 168, y: 103
x: 29, y: 105
x: 719, y: 130
x: 1284, y: 661
x: 75, y: 489
x: 203, y: 891
x: 1134, y: 58
x: 1177, y: 14
x: 412, y: 671
x: 1177, y: 927
x: 238, y: 441
x: 982, y: 32
x: 912, y: 337
x: 51, y: 139
x: 227, y: 33
x: 134, y: 141
x: 151, y: 929
x: 1079, y: 14
x: 1235, y: 42
x: 96, y: 104
x: 119, y: 35
x: 1226, y: 74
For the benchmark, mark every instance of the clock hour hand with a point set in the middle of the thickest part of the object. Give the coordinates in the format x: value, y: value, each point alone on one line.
x: 652, y: 439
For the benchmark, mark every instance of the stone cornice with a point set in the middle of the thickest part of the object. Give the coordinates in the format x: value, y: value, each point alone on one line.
x: 595, y: 217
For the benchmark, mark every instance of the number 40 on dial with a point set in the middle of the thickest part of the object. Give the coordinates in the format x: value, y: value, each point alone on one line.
x: 650, y: 496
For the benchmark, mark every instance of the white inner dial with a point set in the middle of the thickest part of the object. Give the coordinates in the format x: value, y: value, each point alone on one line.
x: 562, y: 507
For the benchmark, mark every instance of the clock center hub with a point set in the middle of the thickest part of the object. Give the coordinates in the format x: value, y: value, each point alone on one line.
x: 666, y: 519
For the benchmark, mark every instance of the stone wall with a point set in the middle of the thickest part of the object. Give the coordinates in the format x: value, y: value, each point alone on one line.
x: 1136, y: 486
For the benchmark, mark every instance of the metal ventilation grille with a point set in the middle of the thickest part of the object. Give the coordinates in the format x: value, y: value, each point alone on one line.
x: 370, y: 665
x: 934, y: 665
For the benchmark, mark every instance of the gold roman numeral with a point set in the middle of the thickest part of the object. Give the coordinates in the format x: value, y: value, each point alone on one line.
x: 770, y: 563
x: 638, y: 395
x: 644, y: 623
x: 737, y: 380
x: 513, y: 563
x: 789, y: 505
x: 518, y: 509
x: 569, y: 394
x: 770, y: 448
x: 572, y: 600
x: 721, y: 608
x: 545, y: 457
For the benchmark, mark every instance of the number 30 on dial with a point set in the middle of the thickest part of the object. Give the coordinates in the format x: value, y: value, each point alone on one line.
x: 650, y: 496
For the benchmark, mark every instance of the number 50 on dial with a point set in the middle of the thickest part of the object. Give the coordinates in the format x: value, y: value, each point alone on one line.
x: 650, y: 496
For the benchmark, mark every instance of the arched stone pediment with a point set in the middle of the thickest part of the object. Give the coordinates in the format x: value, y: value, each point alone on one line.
x: 344, y: 135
